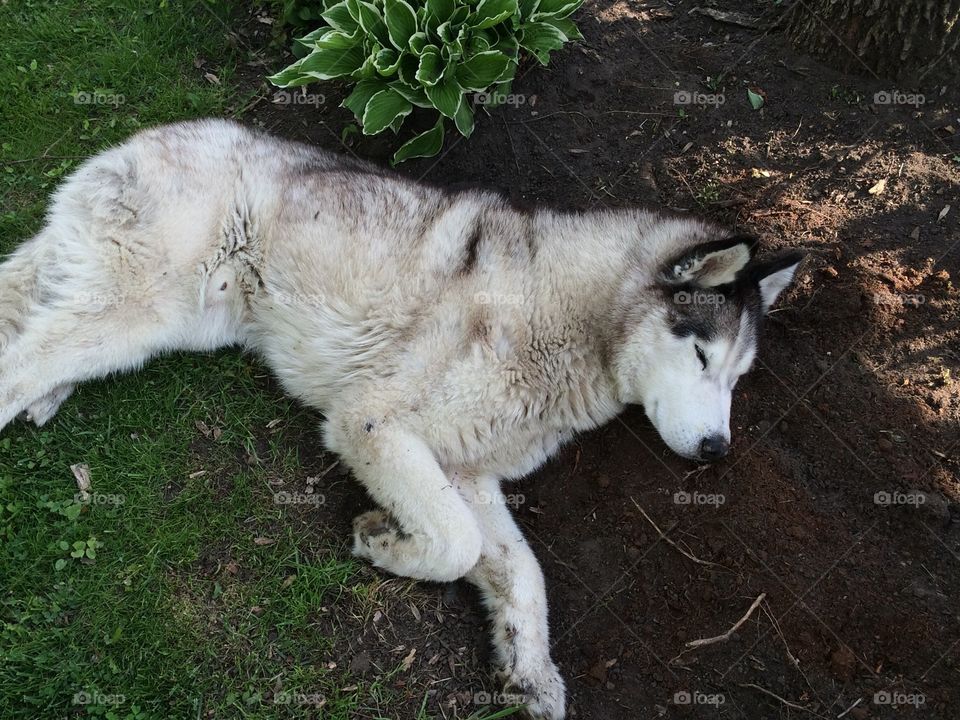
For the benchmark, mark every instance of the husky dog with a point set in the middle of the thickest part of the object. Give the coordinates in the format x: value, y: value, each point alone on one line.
x: 450, y: 340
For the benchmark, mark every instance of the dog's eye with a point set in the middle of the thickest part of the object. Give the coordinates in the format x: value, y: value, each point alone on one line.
x: 701, y: 356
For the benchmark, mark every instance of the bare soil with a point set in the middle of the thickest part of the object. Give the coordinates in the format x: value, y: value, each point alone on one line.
x: 854, y: 393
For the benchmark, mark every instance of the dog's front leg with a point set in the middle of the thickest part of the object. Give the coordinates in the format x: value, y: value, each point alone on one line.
x: 428, y: 531
x: 511, y: 584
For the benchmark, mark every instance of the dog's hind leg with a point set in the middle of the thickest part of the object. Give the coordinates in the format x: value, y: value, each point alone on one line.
x: 19, y: 287
x: 512, y: 588
x: 67, y: 343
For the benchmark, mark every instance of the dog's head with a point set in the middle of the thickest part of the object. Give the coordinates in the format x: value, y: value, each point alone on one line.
x: 690, y: 337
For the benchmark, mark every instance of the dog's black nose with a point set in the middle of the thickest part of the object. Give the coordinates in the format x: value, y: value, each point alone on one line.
x: 713, y: 448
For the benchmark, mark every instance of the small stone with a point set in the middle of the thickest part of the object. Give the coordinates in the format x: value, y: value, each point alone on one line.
x: 885, y: 445
x: 843, y: 662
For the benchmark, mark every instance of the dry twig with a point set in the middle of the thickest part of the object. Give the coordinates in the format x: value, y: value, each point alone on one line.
x: 671, y: 542
x: 726, y: 636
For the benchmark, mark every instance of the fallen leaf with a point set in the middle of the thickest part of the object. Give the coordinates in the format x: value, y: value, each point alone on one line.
x: 263, y: 541
x: 756, y: 99
x: 943, y: 213
x: 879, y: 187
x: 81, y: 471
x: 211, y: 78
x: 408, y: 660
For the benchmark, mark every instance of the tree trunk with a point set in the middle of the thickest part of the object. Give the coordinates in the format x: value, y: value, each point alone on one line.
x: 911, y: 41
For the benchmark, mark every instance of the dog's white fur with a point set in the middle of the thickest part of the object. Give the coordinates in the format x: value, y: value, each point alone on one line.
x: 450, y: 340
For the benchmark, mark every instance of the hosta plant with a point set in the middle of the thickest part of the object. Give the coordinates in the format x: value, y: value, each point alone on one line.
x: 432, y: 54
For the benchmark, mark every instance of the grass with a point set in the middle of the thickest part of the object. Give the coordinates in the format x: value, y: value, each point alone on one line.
x: 119, y: 607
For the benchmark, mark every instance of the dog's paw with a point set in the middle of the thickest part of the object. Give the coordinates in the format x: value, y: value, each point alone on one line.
x: 540, y: 689
x: 46, y: 407
x: 374, y: 535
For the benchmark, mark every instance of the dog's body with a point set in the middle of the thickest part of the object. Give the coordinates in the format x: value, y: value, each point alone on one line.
x: 450, y: 340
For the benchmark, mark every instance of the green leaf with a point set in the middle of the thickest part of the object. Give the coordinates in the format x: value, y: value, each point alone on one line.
x: 291, y: 76
x: 441, y: 10
x: 401, y: 22
x: 445, y: 96
x: 407, y: 71
x: 415, y: 95
x: 60, y: 564
x: 367, y: 71
x: 336, y: 40
x: 382, y: 109
x: 492, y: 12
x: 556, y: 8
x: 464, y: 118
x: 540, y: 38
x: 386, y: 61
x: 482, y: 70
x: 756, y: 100
x: 417, y: 42
x: 356, y: 101
x: 528, y: 8
x: 339, y: 18
x: 426, y: 144
x: 372, y: 22
x: 567, y: 26
x: 476, y: 44
x: 430, y: 68
x: 459, y: 16
x: 320, y: 65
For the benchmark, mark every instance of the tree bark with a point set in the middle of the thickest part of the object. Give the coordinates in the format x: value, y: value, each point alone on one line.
x: 911, y: 41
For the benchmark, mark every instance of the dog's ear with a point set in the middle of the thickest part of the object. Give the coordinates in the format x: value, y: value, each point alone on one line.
x: 711, y: 264
x: 772, y: 276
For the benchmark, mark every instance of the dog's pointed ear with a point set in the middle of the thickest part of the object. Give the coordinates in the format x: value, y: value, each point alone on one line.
x: 774, y: 276
x: 711, y: 264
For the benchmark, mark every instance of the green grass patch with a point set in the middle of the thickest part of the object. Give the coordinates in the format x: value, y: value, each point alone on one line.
x: 119, y: 605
